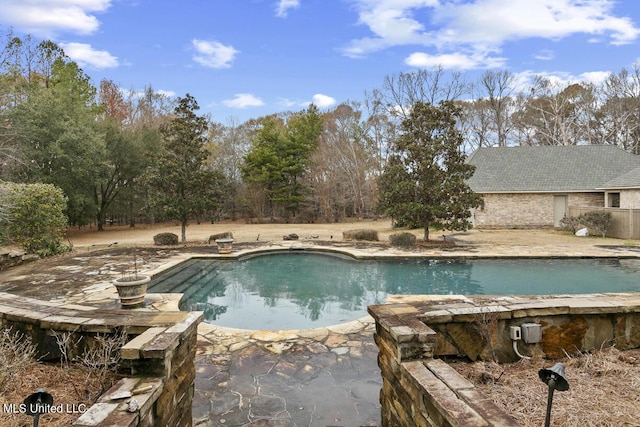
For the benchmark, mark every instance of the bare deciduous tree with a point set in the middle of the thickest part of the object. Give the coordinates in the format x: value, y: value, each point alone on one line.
x: 401, y: 91
x: 618, y: 118
x: 555, y: 114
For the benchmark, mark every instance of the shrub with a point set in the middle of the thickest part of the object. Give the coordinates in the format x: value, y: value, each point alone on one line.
x: 405, y: 223
x: 34, y: 217
x: 165, y: 239
x: 17, y: 355
x: 599, y: 221
x: 572, y: 223
x: 225, y: 235
x: 404, y: 239
x: 364, y: 234
x: 103, y: 355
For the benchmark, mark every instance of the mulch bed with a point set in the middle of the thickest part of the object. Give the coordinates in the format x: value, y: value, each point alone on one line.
x: 603, y: 389
x: 74, y: 389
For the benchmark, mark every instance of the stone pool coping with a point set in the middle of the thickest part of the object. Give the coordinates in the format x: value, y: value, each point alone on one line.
x: 171, y: 301
x: 463, y: 251
x: 100, y: 292
x: 372, y: 253
x: 278, y: 335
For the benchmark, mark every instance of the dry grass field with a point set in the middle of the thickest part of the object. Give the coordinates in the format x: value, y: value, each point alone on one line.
x: 198, y: 233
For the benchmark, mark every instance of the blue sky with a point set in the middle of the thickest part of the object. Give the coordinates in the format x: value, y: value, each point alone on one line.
x: 243, y: 59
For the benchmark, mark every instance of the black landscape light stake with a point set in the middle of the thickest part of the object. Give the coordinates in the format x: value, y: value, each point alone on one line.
x: 37, y: 403
x: 554, y: 378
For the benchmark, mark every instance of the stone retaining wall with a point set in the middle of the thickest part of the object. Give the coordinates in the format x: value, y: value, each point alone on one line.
x: 11, y: 258
x: 419, y: 390
x: 159, y: 361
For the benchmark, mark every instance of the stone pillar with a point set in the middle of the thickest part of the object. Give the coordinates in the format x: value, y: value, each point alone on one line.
x: 162, y: 356
x: 400, y: 337
x: 170, y: 354
x: 418, y: 390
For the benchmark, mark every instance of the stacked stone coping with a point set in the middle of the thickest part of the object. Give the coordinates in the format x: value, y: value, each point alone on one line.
x: 160, y: 359
x: 421, y: 391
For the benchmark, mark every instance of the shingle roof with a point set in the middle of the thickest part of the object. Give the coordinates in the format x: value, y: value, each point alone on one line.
x: 575, y: 168
x: 630, y: 179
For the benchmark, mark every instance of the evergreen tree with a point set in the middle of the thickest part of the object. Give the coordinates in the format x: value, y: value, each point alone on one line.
x: 180, y: 183
x: 57, y: 134
x: 279, y: 157
x: 423, y: 183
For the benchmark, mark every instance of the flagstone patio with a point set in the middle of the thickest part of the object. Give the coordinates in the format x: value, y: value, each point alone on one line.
x: 319, y: 377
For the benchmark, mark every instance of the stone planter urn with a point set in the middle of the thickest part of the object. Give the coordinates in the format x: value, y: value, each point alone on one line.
x: 132, y: 290
x: 224, y: 245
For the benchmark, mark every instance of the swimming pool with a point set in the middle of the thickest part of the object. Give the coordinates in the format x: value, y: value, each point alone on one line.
x: 296, y: 290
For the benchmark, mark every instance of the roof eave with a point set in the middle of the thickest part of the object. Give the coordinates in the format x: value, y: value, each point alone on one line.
x: 631, y: 187
x: 596, y: 190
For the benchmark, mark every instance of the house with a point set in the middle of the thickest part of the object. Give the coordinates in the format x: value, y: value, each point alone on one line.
x: 535, y: 187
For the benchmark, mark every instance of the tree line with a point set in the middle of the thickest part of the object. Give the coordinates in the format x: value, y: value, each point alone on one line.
x: 125, y: 156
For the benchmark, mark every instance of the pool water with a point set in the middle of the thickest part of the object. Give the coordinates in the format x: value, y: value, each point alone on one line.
x: 297, y: 290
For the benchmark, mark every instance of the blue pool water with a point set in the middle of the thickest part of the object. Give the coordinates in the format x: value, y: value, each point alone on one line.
x: 297, y: 290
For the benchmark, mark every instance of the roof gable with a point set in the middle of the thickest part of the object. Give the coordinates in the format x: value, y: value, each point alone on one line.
x: 575, y: 168
x: 630, y: 179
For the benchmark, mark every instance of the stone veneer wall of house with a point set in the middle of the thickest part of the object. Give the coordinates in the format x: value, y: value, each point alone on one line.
x: 585, y: 199
x: 526, y: 210
x: 422, y: 391
x: 160, y: 359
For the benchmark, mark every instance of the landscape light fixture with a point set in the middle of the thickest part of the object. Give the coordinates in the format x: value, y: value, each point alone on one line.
x: 554, y: 377
x: 37, y: 403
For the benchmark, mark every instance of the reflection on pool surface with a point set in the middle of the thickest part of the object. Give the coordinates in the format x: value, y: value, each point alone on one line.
x: 296, y: 290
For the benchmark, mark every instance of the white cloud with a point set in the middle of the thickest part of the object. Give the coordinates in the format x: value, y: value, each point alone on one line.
x: 458, y: 61
x: 392, y: 22
x: 595, y: 77
x: 320, y: 101
x: 545, y: 55
x: 45, y: 18
x: 495, y: 21
x: 167, y: 93
x: 282, y: 9
x: 85, y: 55
x: 289, y: 103
x: 524, y: 81
x: 243, y: 100
x: 323, y: 101
x: 456, y: 31
x: 213, y: 54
